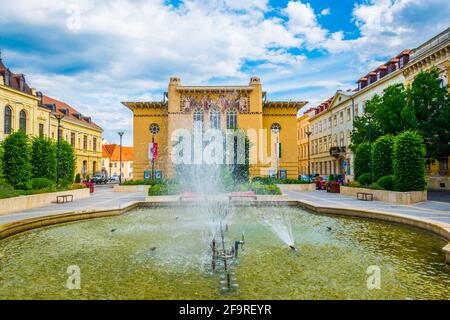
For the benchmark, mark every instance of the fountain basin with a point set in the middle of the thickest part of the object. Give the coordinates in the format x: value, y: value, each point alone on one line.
x: 119, y: 265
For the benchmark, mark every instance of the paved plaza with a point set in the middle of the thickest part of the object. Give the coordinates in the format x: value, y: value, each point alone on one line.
x: 104, y: 198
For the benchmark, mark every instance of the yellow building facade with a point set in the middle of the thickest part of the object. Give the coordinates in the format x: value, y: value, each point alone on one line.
x: 22, y: 107
x: 268, y: 124
x: 302, y: 143
x: 81, y: 132
x: 435, y: 53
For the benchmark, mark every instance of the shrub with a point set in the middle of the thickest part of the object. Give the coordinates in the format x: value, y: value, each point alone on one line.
x: 409, y: 162
x: 266, y: 189
x: 362, y: 160
x: 382, y: 157
x: 354, y: 184
x: 43, y: 158
x: 387, y: 182
x: 7, y: 191
x: 158, y: 190
x: 16, y: 160
x: 67, y: 162
x: 143, y: 182
x: 78, y: 178
x: 270, y: 180
x: 364, y: 179
x: 376, y: 186
x: 41, y: 183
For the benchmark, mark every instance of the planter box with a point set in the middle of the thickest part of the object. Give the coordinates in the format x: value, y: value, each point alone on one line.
x: 137, y: 188
x: 297, y: 187
x: 38, y: 200
x: 388, y: 196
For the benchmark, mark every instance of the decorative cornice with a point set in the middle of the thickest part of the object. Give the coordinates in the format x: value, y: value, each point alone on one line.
x: 146, y: 105
x: 285, y: 104
x: 214, y: 89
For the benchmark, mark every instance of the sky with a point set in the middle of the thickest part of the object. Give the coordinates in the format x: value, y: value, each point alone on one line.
x: 94, y: 54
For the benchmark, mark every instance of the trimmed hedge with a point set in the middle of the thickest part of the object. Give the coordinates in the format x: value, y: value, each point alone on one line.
x: 266, y: 189
x: 41, y: 183
x: 364, y: 179
x: 143, y: 182
x: 270, y: 180
x: 387, y: 182
x: 362, y: 160
x: 409, y: 162
x: 382, y: 157
x: 15, y: 160
x: 7, y: 191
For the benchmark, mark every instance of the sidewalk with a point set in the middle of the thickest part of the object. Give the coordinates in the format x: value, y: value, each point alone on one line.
x: 101, y: 199
x: 432, y: 210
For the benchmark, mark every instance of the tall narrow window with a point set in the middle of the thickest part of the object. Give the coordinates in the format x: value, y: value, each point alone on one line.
x: 232, y: 119
x: 214, y: 118
x: 72, y: 139
x: 8, y: 120
x: 23, y: 121
x: 85, y: 143
x: 197, y: 119
x: 41, y: 130
x: 94, y: 144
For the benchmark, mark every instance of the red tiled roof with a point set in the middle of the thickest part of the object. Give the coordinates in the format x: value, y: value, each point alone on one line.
x: 112, y: 151
x: 14, y: 79
x: 71, y: 113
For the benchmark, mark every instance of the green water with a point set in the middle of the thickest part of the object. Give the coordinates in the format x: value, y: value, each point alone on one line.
x: 120, y: 265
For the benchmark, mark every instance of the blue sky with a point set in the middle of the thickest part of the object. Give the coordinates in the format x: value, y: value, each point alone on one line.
x: 93, y: 54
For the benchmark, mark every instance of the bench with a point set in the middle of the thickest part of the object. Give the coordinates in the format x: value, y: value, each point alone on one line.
x: 190, y: 195
x: 64, y: 198
x: 247, y: 194
x: 364, y: 196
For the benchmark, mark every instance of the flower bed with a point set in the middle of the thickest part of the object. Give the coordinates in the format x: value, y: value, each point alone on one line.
x: 388, y: 196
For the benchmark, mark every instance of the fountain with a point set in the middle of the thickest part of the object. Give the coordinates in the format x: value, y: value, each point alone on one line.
x: 281, y: 226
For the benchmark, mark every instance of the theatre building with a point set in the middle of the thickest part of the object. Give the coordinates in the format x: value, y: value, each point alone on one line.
x: 269, y: 125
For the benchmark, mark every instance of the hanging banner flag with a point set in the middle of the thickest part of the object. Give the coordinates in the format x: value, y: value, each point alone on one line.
x: 153, y: 151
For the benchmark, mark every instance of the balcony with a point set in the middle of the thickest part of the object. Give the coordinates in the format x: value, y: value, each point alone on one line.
x: 337, y: 151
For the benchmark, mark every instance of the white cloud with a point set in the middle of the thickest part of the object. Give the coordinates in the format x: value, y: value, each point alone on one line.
x: 325, y: 12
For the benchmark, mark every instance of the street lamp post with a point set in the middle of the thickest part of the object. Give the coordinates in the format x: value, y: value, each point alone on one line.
x: 58, y: 117
x: 369, y: 117
x: 308, y: 133
x: 121, y: 133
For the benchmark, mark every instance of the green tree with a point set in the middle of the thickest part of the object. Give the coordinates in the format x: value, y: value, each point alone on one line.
x: 362, y: 160
x: 382, y: 157
x: 389, y: 112
x: 67, y: 163
x: 428, y: 103
x: 16, y: 160
x: 360, y: 133
x: 43, y: 158
x: 409, y: 162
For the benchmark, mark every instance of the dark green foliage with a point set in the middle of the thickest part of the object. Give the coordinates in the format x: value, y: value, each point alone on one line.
x: 364, y: 179
x: 387, y: 182
x: 270, y: 180
x: 362, y: 160
x: 167, y: 188
x: 143, y: 182
x: 7, y: 191
x: 43, y: 158
x: 430, y: 112
x: 16, y: 160
x: 67, y: 162
x: 382, y: 157
x: 77, y: 178
x: 265, y: 189
x: 409, y: 162
x: 424, y: 107
x: 41, y: 183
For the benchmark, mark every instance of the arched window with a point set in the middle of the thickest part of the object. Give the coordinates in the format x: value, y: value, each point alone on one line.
x: 197, y: 119
x: 214, y: 118
x: 232, y: 119
x: 8, y: 120
x: 23, y: 121
x: 275, y: 128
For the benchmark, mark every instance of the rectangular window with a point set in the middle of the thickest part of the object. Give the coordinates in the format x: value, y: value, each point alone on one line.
x: 94, y: 144
x: 72, y: 139
x: 349, y: 114
x: 341, y: 117
x: 85, y: 142
x: 335, y: 120
x: 41, y: 130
